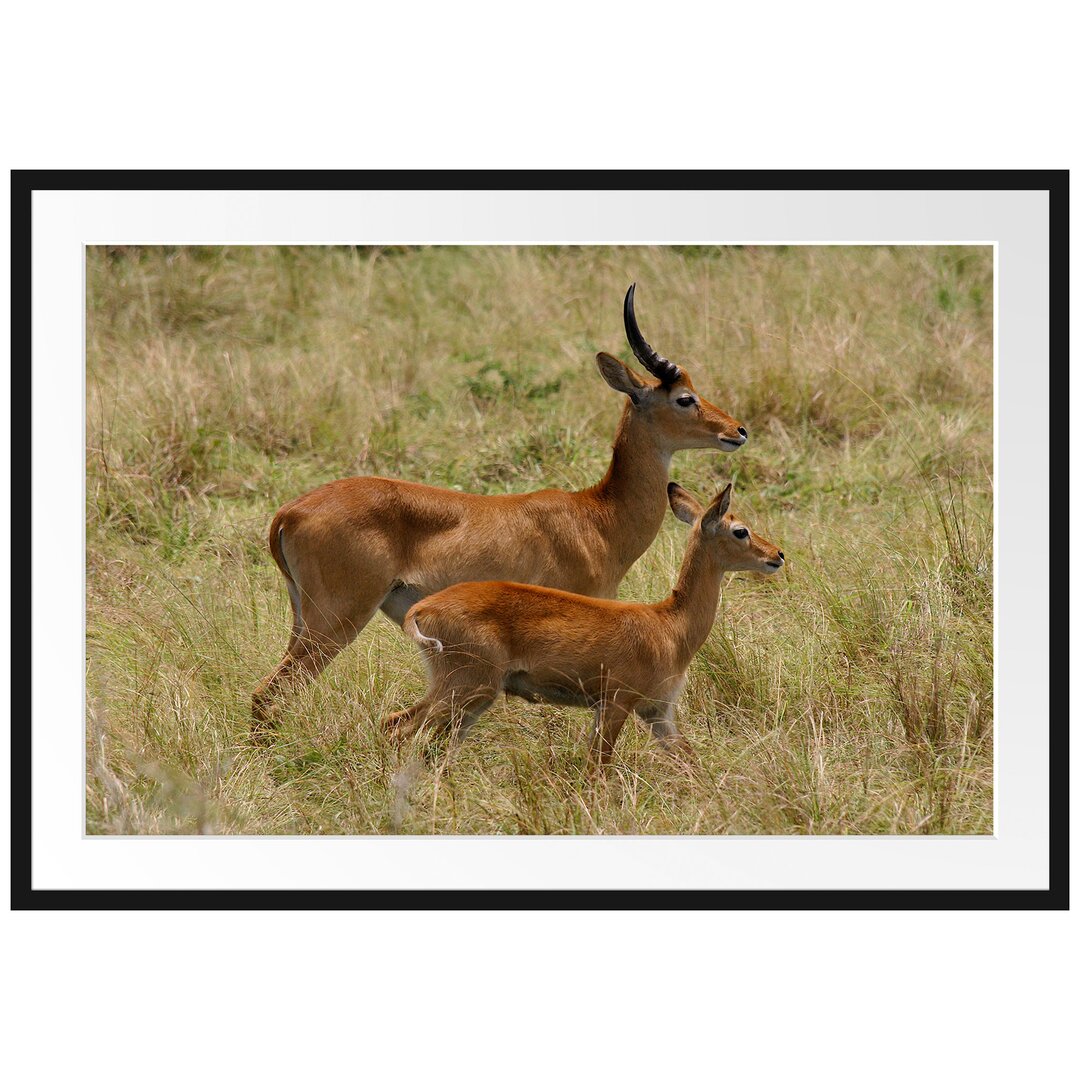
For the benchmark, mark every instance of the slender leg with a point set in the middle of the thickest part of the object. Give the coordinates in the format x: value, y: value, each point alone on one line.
x: 462, y: 684
x: 660, y: 718
x: 318, y: 635
x: 466, y: 715
x: 453, y: 712
x: 609, y: 718
x: 408, y: 722
x: 404, y: 716
x: 303, y: 660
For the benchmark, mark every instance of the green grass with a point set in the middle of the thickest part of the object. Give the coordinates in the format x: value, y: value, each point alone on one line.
x: 850, y: 694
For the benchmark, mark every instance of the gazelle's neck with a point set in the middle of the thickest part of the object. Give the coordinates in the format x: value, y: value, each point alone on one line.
x: 693, y: 601
x: 633, y: 492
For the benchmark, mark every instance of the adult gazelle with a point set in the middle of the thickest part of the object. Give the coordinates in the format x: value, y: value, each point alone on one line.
x: 353, y: 547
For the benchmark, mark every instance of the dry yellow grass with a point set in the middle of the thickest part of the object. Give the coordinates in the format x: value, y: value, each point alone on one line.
x: 852, y: 693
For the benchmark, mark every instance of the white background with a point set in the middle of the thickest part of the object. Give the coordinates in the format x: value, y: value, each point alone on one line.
x: 467, y: 85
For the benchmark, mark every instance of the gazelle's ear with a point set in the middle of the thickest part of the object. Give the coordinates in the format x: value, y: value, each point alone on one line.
x: 683, y: 505
x: 619, y: 377
x: 717, y: 509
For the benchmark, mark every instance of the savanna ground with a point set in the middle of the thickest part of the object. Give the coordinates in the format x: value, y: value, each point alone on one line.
x: 850, y: 693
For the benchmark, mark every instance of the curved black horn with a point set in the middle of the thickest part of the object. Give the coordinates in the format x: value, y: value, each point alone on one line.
x: 649, y: 358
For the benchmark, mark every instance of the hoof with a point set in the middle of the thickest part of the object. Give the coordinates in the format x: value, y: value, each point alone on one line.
x: 394, y: 720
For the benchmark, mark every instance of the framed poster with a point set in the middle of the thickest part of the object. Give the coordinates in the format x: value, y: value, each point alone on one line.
x: 870, y: 725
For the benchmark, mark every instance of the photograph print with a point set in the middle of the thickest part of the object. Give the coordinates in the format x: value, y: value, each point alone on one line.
x: 506, y: 539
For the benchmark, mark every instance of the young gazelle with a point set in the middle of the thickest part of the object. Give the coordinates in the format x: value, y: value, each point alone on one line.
x: 353, y: 547
x: 480, y: 638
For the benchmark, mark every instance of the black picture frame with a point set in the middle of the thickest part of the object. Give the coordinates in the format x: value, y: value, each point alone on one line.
x: 24, y: 183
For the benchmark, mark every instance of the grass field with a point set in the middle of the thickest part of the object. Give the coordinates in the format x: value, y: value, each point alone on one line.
x: 850, y: 693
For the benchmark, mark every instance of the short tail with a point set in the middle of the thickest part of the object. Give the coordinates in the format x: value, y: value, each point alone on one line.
x: 418, y: 635
x: 277, y: 528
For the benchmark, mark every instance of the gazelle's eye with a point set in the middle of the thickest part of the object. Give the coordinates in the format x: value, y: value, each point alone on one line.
x: 685, y: 402
x: 740, y: 534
